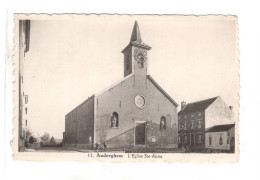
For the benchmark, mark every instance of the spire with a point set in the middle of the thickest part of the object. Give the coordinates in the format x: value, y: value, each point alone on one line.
x: 136, y: 35
x: 136, y: 39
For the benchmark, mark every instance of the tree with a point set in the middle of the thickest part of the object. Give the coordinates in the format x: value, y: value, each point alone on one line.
x: 28, y: 133
x: 52, y: 141
x: 31, y: 140
x: 45, y: 137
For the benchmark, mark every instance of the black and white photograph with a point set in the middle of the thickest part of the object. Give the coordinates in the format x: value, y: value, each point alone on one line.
x: 139, y: 87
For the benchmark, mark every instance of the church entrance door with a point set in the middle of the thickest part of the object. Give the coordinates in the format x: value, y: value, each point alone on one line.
x: 140, y: 134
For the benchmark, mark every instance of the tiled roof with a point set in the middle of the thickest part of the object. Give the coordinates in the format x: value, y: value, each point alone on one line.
x: 161, y: 90
x: 197, y: 106
x: 220, y: 128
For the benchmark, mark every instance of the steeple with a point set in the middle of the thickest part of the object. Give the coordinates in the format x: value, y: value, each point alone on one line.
x: 136, y: 39
x: 136, y: 36
x: 135, y: 54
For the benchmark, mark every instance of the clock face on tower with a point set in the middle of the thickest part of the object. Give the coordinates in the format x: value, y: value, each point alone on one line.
x: 139, y: 101
x: 140, y: 56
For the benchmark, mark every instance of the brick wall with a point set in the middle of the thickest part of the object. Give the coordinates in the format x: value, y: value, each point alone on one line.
x: 194, y: 117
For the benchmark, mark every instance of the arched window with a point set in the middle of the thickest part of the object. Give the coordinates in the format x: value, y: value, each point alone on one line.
x: 163, y: 123
x: 140, y: 64
x: 114, y: 120
x: 140, y: 60
x: 220, y: 140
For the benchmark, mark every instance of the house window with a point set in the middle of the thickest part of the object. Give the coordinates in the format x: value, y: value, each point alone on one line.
x: 220, y: 140
x: 199, y: 124
x: 179, y: 139
x: 179, y: 126
x: 192, y: 125
x: 26, y: 123
x: 26, y: 110
x: 199, y: 138
x: 114, y: 120
x: 199, y: 114
x: 185, y: 117
x: 192, y: 115
x: 210, y: 140
x: 185, y: 125
x: 163, y: 123
x: 26, y: 99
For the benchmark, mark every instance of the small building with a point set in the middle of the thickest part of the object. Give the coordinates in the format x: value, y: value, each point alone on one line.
x: 194, y: 118
x: 220, y: 137
x: 133, y: 112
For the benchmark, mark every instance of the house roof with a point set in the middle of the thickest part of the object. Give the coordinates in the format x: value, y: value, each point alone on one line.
x: 197, y: 106
x: 220, y: 128
x: 161, y: 90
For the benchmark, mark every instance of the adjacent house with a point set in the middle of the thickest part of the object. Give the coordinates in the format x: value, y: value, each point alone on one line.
x: 194, y: 118
x: 220, y: 137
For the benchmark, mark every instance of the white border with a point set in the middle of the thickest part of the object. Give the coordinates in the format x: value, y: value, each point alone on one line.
x: 249, y: 28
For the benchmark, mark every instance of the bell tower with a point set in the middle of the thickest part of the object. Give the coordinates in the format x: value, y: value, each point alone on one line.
x: 135, y: 54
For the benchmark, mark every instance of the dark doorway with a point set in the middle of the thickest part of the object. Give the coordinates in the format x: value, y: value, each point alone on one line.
x: 192, y: 139
x: 140, y: 134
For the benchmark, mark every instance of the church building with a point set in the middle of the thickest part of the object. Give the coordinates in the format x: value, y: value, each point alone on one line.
x: 134, y: 112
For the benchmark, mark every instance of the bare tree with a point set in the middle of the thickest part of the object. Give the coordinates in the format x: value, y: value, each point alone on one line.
x: 45, y: 137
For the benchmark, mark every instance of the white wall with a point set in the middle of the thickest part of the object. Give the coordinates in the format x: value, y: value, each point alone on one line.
x: 218, y: 113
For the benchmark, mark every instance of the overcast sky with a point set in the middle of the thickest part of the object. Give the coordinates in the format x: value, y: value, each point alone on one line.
x: 192, y: 58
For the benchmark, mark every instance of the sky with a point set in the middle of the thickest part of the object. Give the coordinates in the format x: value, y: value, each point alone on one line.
x: 192, y: 58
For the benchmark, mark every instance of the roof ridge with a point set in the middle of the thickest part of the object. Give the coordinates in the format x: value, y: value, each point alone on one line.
x: 198, y: 105
x: 203, y: 100
x: 222, y: 125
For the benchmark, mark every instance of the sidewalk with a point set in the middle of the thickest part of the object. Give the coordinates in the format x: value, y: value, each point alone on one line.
x: 95, y: 151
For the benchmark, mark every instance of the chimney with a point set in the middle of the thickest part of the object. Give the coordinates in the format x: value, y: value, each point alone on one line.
x: 183, y: 105
x: 231, y: 108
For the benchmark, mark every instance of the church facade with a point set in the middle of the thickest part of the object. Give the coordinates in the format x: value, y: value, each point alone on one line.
x: 134, y: 112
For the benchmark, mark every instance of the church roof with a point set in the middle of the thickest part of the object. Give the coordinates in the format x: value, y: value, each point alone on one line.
x: 136, y: 39
x: 198, y: 106
x: 161, y: 90
x: 220, y: 128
